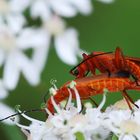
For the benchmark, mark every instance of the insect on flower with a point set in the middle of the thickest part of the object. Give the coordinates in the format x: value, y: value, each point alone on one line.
x: 93, y: 85
x: 108, y: 62
x: 66, y: 122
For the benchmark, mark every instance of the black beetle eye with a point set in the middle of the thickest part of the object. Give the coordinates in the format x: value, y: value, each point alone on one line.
x: 76, y: 72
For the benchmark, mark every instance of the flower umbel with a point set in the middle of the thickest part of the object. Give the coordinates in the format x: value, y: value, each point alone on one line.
x: 66, y: 122
x: 93, y: 123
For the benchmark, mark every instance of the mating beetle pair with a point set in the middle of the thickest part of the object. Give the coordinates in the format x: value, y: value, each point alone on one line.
x: 115, y: 71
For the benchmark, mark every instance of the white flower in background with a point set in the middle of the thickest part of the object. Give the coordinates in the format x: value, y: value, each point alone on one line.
x: 67, y: 8
x: 11, y: 13
x: 65, y: 41
x: 13, y: 58
x: 3, y: 90
x: 5, y: 110
x: 66, y: 122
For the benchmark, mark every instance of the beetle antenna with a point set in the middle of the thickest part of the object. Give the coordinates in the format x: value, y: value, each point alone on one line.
x: 20, y: 113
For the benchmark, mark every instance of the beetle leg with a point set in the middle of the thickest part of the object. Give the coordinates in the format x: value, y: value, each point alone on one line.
x: 130, y: 99
x: 93, y: 101
x: 127, y: 100
x: 83, y: 107
x: 136, y: 79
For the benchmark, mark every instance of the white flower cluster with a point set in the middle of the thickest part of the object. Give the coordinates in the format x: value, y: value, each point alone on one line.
x: 18, y: 38
x: 94, y: 124
x: 122, y: 121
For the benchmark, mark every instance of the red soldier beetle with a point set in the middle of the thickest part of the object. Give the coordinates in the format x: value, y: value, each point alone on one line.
x: 108, y: 62
x: 93, y: 85
x: 86, y: 65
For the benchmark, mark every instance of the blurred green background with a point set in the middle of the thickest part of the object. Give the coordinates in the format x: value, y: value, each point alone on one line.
x: 110, y: 25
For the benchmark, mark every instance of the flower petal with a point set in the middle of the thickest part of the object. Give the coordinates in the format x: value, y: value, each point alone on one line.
x: 40, y: 9
x: 28, y: 69
x: 84, y: 6
x: 11, y: 71
x: 31, y: 38
x: 18, y: 6
x: 69, y: 100
x: 6, y: 111
x: 15, y: 22
x: 63, y: 8
x: 67, y: 46
x: 78, y: 100
x: 3, y: 91
x: 40, y: 53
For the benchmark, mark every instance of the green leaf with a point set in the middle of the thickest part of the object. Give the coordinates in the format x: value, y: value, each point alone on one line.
x: 114, y: 137
x: 79, y: 136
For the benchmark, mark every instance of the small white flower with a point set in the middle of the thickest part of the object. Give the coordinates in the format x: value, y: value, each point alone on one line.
x: 65, y: 41
x: 66, y: 8
x: 12, y: 56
